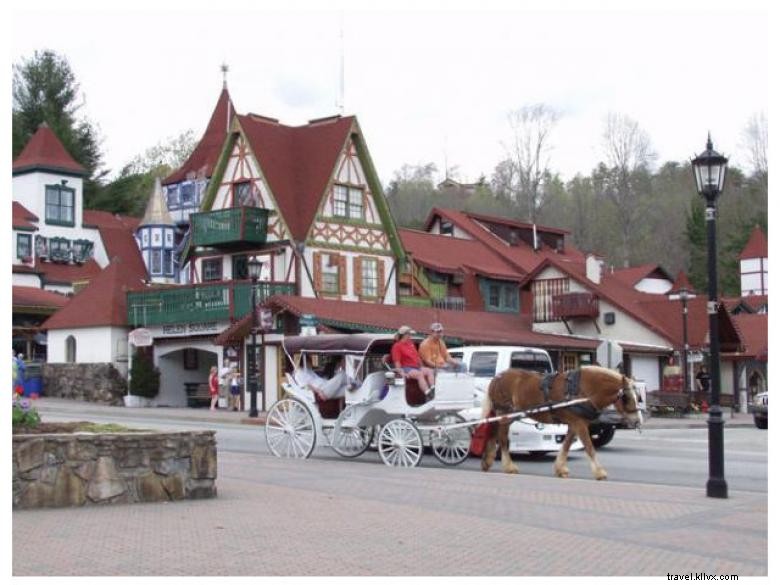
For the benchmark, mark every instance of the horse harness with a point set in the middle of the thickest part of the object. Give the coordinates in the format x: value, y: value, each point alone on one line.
x: 585, y: 410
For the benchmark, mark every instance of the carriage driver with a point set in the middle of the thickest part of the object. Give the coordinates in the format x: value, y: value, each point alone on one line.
x: 434, y: 354
x: 407, y: 361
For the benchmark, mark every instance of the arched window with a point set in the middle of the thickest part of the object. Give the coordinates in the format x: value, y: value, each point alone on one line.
x: 70, y: 349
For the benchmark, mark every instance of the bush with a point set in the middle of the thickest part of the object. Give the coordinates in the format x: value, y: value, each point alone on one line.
x: 144, y: 377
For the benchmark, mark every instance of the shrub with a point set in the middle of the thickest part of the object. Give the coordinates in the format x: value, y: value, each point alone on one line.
x: 144, y: 377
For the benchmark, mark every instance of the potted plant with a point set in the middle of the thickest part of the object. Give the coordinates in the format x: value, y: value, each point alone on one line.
x: 144, y: 380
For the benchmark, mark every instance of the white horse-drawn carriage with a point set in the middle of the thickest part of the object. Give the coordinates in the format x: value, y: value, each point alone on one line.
x: 377, y: 401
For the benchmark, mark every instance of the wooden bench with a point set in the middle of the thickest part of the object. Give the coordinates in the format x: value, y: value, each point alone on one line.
x: 197, y: 394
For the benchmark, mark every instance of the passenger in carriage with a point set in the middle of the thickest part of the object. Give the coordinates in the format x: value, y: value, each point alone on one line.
x: 334, y: 386
x: 407, y: 361
x: 434, y: 354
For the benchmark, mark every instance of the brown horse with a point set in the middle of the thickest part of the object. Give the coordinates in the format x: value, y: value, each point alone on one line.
x: 518, y: 390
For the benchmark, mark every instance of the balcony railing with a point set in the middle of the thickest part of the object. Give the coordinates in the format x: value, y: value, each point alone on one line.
x: 414, y: 301
x: 573, y: 305
x: 200, y: 303
x: 450, y: 303
x: 230, y: 226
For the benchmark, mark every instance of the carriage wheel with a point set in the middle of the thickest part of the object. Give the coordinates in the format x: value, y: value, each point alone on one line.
x: 400, y: 444
x: 451, y: 447
x: 347, y: 439
x: 289, y: 430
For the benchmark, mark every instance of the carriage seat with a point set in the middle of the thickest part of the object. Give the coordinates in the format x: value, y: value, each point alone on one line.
x: 414, y: 396
x: 328, y: 408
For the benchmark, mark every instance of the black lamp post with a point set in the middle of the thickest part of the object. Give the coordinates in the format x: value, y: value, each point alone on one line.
x: 709, y: 170
x: 684, y: 294
x: 255, y: 268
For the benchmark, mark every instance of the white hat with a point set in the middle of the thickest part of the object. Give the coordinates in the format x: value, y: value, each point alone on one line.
x: 404, y: 329
x: 437, y: 327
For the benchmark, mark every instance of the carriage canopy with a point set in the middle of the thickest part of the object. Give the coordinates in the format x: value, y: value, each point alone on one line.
x: 357, y: 344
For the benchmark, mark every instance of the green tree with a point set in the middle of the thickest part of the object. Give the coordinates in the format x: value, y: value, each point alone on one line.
x: 144, y: 377
x: 45, y: 90
x: 696, y: 231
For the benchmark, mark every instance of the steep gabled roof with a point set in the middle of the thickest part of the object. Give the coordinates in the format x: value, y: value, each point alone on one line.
x: 469, y: 326
x: 681, y: 283
x: 116, y: 232
x: 103, y: 302
x: 45, y: 152
x: 297, y: 162
x: 756, y: 247
x: 156, y: 208
x: 204, y: 157
x: 23, y: 218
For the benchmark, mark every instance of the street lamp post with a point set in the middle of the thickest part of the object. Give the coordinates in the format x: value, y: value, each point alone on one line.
x: 681, y: 292
x: 709, y: 170
x: 254, y: 273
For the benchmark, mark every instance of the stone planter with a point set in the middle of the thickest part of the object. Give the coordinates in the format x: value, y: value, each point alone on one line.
x: 81, y: 469
x: 133, y: 401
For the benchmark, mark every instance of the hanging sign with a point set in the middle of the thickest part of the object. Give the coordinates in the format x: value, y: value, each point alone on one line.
x: 140, y: 337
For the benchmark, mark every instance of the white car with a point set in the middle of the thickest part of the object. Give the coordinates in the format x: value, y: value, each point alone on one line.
x: 525, y: 435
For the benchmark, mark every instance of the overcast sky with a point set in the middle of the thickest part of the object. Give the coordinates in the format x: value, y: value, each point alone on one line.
x: 423, y: 83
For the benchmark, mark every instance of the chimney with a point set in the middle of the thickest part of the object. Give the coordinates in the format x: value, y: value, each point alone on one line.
x: 536, y: 239
x: 593, y: 268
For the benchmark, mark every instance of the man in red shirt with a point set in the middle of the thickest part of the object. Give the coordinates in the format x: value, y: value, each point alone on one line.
x: 407, y: 361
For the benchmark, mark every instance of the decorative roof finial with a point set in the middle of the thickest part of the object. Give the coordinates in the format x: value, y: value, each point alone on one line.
x: 224, y: 68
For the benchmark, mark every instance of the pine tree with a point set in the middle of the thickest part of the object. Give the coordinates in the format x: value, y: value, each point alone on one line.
x: 144, y: 377
x: 696, y: 231
x: 45, y: 90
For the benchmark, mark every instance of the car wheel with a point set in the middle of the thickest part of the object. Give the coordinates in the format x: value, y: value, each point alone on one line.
x: 601, y: 434
x: 761, y: 422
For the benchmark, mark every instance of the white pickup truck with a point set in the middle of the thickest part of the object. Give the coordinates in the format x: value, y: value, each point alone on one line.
x: 484, y: 362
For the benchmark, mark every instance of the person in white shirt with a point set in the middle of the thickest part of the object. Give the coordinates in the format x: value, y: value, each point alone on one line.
x: 325, y: 388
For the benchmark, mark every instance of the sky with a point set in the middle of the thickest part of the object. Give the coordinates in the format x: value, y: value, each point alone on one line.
x: 427, y: 84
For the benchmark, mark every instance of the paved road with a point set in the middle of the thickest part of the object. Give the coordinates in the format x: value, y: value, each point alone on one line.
x: 328, y: 516
x: 657, y: 456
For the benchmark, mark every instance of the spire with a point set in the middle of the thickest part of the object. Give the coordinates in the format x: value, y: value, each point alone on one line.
x: 224, y: 68
x: 156, y: 210
x: 45, y: 152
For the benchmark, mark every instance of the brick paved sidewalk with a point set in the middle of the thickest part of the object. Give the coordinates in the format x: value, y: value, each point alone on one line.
x: 324, y: 517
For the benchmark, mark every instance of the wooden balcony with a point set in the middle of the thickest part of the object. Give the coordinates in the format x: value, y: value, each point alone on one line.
x: 198, y: 303
x: 575, y: 305
x: 225, y: 227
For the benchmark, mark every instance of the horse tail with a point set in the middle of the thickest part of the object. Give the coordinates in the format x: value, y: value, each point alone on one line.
x: 487, y: 402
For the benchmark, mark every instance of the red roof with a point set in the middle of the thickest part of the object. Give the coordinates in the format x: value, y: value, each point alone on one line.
x: 636, y: 273
x: 45, y: 151
x: 23, y: 217
x: 754, y: 331
x: 449, y: 254
x: 117, y: 231
x: 297, y: 162
x: 753, y: 302
x: 102, y: 302
x: 681, y: 283
x: 757, y: 246
x: 469, y: 326
x: 206, y: 153
x: 522, y: 256
x: 67, y: 274
x: 28, y: 296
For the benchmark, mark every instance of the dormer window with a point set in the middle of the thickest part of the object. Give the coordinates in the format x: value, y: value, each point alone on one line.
x: 446, y: 228
x: 347, y: 202
x: 187, y: 194
x: 60, y: 203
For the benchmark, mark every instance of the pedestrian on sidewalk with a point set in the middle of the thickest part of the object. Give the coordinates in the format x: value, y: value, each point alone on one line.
x: 213, y: 387
x: 235, y: 390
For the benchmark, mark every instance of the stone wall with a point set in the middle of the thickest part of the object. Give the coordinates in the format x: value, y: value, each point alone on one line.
x: 113, y: 468
x: 88, y: 382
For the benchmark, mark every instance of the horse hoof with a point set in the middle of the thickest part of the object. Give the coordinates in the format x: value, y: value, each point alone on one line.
x: 562, y: 473
x: 485, y: 467
x: 512, y: 469
x: 601, y: 476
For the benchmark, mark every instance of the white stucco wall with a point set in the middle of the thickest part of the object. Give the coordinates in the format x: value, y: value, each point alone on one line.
x: 22, y: 279
x: 657, y: 286
x: 169, y: 359
x: 94, y: 345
